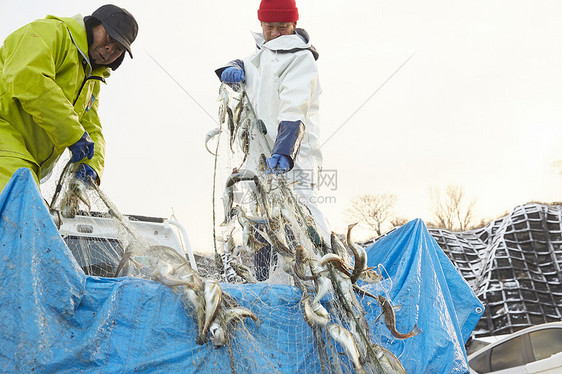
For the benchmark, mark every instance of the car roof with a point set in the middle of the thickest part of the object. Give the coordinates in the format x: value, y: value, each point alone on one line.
x: 542, y: 326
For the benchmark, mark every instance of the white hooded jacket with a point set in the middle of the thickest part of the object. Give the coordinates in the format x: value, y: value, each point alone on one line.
x: 282, y: 85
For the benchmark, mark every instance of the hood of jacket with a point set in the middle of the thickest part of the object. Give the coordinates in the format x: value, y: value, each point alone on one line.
x: 300, y: 40
x: 75, y: 26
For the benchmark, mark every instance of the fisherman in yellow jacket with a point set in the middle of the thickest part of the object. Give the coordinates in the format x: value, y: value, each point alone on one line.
x: 50, y: 75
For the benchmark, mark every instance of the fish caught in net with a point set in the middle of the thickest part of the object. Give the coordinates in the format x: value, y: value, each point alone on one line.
x: 264, y: 234
x: 273, y: 269
x: 125, y: 251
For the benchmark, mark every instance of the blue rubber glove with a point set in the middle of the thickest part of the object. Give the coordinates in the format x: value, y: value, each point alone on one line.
x: 82, y: 148
x: 233, y: 74
x: 278, y: 164
x: 84, y: 172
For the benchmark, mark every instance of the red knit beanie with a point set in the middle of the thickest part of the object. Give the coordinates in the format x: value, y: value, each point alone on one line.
x: 278, y: 11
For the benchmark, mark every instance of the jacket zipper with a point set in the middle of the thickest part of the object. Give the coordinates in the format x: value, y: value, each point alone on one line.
x: 84, y: 82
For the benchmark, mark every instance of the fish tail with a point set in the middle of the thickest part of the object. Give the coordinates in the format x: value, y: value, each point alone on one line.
x: 415, y: 330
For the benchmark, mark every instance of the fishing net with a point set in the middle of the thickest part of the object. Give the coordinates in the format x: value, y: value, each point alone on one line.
x: 263, y: 233
x: 280, y: 297
x: 103, y: 240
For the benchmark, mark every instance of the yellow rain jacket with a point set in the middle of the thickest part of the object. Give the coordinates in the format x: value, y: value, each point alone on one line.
x: 48, y: 96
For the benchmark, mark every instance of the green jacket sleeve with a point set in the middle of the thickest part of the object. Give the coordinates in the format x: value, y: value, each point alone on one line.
x: 30, y: 69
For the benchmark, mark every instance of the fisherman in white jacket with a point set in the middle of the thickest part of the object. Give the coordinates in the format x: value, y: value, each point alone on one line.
x: 282, y: 84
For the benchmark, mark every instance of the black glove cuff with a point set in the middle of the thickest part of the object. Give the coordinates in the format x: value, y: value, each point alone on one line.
x: 237, y: 63
x: 289, y: 138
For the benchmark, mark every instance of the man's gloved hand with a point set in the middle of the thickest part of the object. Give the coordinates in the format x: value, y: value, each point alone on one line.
x: 233, y: 74
x: 82, y: 148
x: 84, y: 172
x: 278, y: 164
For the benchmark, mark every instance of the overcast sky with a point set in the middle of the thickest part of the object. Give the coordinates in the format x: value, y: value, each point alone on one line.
x: 478, y: 104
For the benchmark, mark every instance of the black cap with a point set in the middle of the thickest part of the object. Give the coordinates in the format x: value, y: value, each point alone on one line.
x: 119, y: 24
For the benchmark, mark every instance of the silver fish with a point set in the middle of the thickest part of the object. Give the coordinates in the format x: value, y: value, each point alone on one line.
x: 238, y: 109
x: 238, y: 313
x: 231, y: 126
x: 166, y: 254
x: 223, y: 98
x: 80, y: 189
x: 210, y: 135
x: 254, y: 208
x: 163, y: 274
x: 388, y: 360
x: 217, y: 335
x: 300, y: 263
x: 261, y: 127
x: 244, y: 138
x: 247, y: 237
x: 370, y: 276
x: 344, y: 337
x: 323, y: 286
x: 239, y: 175
x: 227, y: 320
x: 315, y: 315
x: 345, y: 287
x: 243, y: 272
x: 227, y: 201
x: 359, y: 253
x: 262, y: 163
x: 193, y: 299
x: 76, y: 193
x: 336, y: 261
x: 212, y: 295
x: 69, y: 206
x: 390, y: 320
x: 339, y: 249
x: 248, y: 231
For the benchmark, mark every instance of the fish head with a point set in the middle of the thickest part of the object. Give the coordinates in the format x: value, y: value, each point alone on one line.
x: 217, y: 335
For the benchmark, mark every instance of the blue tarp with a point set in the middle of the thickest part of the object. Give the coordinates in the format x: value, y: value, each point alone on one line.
x: 54, y: 318
x: 430, y: 291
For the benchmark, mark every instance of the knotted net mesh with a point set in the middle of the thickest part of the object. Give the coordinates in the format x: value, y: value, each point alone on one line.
x: 279, y: 296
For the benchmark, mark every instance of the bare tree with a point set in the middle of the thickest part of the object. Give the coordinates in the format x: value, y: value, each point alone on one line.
x: 454, y: 211
x: 399, y: 221
x: 372, y: 210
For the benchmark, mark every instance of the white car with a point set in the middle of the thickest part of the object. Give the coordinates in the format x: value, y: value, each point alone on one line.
x: 536, y: 349
x: 93, y: 239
